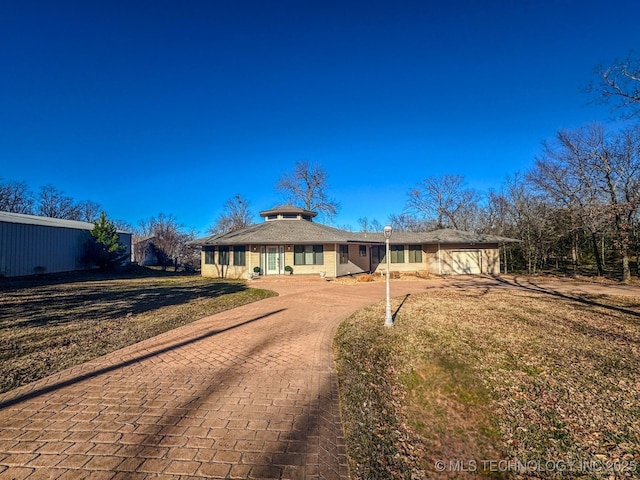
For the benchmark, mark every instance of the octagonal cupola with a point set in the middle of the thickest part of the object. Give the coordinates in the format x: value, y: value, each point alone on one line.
x: 288, y: 212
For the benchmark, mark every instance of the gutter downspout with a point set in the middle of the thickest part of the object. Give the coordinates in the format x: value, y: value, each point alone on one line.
x: 439, y: 261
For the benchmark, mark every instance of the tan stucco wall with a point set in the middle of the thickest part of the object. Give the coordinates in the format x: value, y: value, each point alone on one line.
x: 253, y: 260
x: 491, y: 260
x: 433, y: 261
x: 406, y: 266
x: 223, y: 271
x: 328, y: 267
x: 439, y: 261
x: 489, y: 257
x: 356, y: 264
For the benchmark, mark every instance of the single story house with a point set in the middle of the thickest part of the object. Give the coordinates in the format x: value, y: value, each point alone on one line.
x: 31, y: 244
x: 288, y: 239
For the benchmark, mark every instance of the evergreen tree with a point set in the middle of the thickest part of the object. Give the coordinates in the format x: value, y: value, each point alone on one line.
x: 104, y: 249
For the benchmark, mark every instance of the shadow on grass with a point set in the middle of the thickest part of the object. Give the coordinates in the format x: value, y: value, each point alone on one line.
x: 534, y: 287
x: 80, y: 276
x: 395, y: 314
x: 56, y: 386
x: 56, y: 304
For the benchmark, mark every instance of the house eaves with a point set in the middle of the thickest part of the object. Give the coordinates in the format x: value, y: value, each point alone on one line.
x: 304, y: 232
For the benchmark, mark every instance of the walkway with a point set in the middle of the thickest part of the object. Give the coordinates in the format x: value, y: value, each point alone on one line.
x: 248, y: 393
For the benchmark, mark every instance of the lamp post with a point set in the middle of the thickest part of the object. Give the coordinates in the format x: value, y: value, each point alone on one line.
x: 388, y: 319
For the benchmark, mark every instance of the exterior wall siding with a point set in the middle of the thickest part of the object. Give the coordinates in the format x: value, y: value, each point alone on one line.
x: 254, y: 259
x: 434, y: 260
x: 439, y: 261
x: 406, y: 266
x: 489, y: 257
x: 231, y: 271
x: 27, y: 249
x: 356, y: 264
x: 491, y: 260
x: 328, y: 266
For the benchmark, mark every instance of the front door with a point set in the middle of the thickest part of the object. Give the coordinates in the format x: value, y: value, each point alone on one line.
x: 274, y: 260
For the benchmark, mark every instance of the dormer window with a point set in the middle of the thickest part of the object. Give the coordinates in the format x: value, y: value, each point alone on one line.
x: 288, y: 212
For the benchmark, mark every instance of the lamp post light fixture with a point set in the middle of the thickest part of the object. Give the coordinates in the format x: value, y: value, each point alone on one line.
x: 388, y: 319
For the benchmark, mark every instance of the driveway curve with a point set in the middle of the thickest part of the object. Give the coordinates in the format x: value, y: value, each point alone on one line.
x: 250, y: 393
x: 247, y: 393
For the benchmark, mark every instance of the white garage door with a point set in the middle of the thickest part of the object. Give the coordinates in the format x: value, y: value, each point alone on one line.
x: 466, y: 261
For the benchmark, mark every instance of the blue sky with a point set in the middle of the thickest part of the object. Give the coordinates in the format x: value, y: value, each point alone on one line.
x: 176, y: 106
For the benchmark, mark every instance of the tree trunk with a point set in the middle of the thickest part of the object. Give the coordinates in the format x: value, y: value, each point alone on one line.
x: 626, y: 271
x: 504, y: 252
x: 596, y: 252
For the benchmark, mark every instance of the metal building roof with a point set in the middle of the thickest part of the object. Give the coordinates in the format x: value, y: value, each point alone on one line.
x: 10, y: 217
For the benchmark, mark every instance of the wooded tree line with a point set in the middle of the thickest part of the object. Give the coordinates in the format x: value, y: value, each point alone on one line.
x: 17, y: 197
x: 576, y: 209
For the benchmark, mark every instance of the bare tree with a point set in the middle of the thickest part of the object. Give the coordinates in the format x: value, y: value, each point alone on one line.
x: 559, y: 173
x: 445, y: 200
x: 528, y: 217
x: 406, y: 222
x: 597, y: 173
x: 368, y: 226
x: 88, y: 211
x: 307, y: 187
x: 236, y: 215
x: 168, y: 239
x: 15, y: 197
x: 52, y: 202
x: 619, y: 85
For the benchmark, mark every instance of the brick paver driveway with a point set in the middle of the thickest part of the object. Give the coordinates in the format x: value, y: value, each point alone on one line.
x: 248, y: 393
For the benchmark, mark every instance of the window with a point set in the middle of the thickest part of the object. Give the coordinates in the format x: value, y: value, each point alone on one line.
x: 223, y: 255
x: 363, y: 250
x: 272, y: 217
x: 239, y: 255
x: 378, y: 253
x: 209, y: 255
x: 397, y: 253
x: 308, y: 255
x: 415, y: 253
x: 290, y: 216
x: 343, y: 253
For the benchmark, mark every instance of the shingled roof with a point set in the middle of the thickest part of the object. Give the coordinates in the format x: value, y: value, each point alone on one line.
x: 281, y: 231
x: 305, y: 232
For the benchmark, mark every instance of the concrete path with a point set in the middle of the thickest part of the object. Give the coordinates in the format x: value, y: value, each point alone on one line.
x: 248, y: 393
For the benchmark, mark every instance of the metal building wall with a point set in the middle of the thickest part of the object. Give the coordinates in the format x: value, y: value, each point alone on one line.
x: 30, y: 249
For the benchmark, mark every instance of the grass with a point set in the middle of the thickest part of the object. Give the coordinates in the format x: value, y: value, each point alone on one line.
x: 49, y: 324
x: 493, y: 384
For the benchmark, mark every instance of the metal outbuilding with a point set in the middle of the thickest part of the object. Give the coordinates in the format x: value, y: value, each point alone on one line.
x: 31, y: 244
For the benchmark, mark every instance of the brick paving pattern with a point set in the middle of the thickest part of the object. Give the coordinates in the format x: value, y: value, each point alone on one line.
x: 249, y: 394
x: 246, y: 394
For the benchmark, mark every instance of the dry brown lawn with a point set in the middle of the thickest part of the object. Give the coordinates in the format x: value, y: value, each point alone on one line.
x: 49, y: 325
x: 497, y: 384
